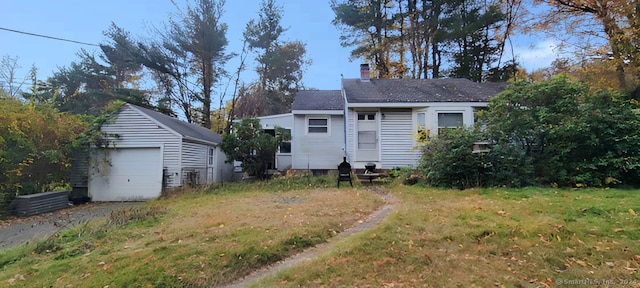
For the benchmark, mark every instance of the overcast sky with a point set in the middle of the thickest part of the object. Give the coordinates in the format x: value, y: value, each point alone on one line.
x: 84, y: 21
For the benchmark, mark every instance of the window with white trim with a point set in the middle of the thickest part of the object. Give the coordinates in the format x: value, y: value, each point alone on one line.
x: 449, y: 121
x: 285, y: 146
x: 211, y: 152
x: 318, y: 125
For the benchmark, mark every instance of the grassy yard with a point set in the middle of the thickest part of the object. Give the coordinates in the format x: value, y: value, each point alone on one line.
x: 198, y: 239
x: 534, y: 237
x: 531, y: 237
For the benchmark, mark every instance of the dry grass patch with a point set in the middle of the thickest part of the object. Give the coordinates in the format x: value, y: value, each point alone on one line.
x: 487, y: 238
x: 204, y: 239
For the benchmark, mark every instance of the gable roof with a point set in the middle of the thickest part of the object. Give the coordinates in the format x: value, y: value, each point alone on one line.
x: 187, y: 130
x: 419, y: 90
x: 318, y: 100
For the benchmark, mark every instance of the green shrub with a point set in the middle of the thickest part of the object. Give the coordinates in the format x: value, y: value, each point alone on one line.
x: 448, y: 161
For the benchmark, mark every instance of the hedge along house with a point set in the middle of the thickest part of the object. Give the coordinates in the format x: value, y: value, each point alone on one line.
x: 151, y: 151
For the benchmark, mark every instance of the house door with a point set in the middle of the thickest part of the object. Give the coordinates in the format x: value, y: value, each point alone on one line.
x: 367, y: 147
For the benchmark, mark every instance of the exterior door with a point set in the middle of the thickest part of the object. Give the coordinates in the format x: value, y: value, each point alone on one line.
x: 367, y: 138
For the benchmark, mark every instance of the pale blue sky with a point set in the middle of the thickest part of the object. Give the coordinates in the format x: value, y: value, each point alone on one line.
x: 84, y: 20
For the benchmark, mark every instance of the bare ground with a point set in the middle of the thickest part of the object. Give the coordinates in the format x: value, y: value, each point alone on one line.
x: 16, y: 231
x: 313, y: 252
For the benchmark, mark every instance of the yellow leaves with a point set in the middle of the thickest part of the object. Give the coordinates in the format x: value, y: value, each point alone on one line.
x: 632, y: 212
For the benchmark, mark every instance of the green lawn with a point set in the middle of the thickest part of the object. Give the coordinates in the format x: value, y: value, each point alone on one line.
x: 534, y: 237
x: 197, y: 239
x: 530, y: 237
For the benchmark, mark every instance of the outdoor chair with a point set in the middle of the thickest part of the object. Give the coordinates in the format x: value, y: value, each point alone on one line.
x: 344, y: 172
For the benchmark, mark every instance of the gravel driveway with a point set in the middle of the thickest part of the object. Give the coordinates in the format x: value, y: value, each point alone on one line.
x: 16, y: 231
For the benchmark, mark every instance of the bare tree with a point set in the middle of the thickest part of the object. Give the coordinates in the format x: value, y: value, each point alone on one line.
x: 10, y: 83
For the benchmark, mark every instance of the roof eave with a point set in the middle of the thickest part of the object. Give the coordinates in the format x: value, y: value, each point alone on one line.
x: 412, y: 104
x: 199, y: 140
x: 318, y: 112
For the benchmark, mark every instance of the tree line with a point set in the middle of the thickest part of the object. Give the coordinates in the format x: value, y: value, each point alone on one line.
x: 180, y: 70
x: 472, y: 38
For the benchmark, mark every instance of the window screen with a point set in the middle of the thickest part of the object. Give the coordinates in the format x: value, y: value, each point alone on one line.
x: 367, y: 140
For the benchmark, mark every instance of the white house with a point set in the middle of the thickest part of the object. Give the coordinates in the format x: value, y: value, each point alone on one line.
x: 378, y: 120
x: 150, y: 151
x: 384, y: 116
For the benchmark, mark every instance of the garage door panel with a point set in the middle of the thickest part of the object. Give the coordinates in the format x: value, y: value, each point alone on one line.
x: 134, y: 174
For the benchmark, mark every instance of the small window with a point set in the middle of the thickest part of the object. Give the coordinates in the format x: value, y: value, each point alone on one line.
x: 449, y: 121
x: 285, y: 147
x: 422, y: 133
x: 366, y: 116
x: 318, y: 125
x: 211, y: 151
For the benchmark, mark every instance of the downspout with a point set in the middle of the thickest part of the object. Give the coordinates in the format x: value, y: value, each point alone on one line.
x: 344, y: 119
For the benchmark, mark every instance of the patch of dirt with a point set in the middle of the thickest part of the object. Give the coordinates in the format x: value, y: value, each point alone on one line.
x: 363, y: 225
x: 18, y: 230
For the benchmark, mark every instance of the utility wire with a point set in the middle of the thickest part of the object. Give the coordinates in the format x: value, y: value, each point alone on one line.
x: 48, y: 37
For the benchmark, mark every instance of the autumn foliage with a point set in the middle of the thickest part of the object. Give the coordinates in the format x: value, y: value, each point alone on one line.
x: 35, y: 148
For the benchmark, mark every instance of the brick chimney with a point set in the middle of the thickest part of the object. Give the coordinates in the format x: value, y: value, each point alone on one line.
x: 364, y: 72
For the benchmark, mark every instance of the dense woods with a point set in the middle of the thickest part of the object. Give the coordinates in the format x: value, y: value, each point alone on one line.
x: 576, y: 129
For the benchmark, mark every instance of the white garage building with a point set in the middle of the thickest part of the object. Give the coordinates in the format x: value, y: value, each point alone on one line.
x: 150, y: 151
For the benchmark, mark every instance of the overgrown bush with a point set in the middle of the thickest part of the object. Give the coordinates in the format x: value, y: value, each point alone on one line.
x: 248, y: 143
x: 35, y: 148
x: 449, y: 161
x: 509, y: 167
x: 574, y: 137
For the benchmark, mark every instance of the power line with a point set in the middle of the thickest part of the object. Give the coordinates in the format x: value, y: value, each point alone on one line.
x: 48, y: 37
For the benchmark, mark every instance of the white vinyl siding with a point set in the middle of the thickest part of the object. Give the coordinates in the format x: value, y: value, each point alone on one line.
x: 195, y: 158
x: 137, y: 131
x: 317, y: 150
x: 397, y: 139
x: 351, y: 136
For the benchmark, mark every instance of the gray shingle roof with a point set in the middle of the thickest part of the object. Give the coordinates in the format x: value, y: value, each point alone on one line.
x: 183, y: 128
x: 318, y: 100
x: 419, y: 90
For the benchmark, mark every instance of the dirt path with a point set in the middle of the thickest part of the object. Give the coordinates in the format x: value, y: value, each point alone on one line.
x: 313, y: 252
x: 17, y: 231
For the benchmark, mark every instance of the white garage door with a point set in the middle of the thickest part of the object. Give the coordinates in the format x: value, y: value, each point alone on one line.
x: 133, y: 174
